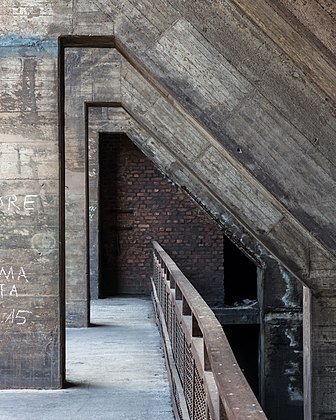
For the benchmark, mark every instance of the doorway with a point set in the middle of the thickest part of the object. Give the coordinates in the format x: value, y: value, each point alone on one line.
x: 243, y: 292
x: 138, y: 204
x: 116, y: 221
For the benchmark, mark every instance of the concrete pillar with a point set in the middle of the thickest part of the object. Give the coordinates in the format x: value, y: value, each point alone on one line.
x: 320, y: 356
x: 31, y: 282
x: 281, y: 343
x: 307, y: 355
x: 87, y: 70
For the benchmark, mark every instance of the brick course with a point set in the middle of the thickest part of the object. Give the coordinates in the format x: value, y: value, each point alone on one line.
x: 152, y: 208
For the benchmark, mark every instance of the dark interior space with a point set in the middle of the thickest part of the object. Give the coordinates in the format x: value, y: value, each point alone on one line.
x: 244, y: 341
x: 240, y: 276
x: 138, y: 204
x: 110, y: 228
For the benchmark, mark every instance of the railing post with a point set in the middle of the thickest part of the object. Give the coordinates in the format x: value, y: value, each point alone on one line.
x: 185, y: 307
x: 178, y: 294
x: 196, y: 331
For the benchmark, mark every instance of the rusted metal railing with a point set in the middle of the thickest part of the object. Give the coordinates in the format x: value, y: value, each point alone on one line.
x: 206, y: 380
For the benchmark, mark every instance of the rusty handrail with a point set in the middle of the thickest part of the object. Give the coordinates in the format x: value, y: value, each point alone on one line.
x: 226, y: 391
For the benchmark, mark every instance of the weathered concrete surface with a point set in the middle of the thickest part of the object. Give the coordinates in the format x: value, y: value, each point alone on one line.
x: 29, y: 266
x: 185, y: 144
x: 274, y: 75
x: 149, y: 34
x: 281, y: 88
x: 116, y: 371
x: 316, y: 16
x: 86, y: 73
x: 281, y: 343
x: 180, y: 60
x: 268, y: 220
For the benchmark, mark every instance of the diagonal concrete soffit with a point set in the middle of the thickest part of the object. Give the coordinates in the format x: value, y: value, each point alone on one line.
x: 202, y: 157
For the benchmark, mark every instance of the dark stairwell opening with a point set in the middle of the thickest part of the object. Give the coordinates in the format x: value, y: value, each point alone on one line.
x: 244, y: 341
x: 240, y: 315
x: 240, y: 277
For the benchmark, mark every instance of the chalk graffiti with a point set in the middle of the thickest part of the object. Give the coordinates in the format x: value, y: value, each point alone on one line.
x: 12, y: 203
x: 12, y: 292
x: 92, y: 211
x: 43, y: 243
x: 11, y: 278
x: 15, y: 317
x: 11, y: 274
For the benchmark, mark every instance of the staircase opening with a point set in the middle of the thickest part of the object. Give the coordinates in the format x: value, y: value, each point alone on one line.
x: 244, y: 341
x: 240, y: 274
x: 240, y: 317
x: 138, y: 204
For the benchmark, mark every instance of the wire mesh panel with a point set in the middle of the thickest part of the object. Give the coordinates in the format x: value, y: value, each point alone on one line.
x: 158, y: 289
x: 179, y: 351
x: 169, y: 318
x: 174, y: 333
x: 156, y: 272
x: 162, y: 294
x: 189, y: 379
x: 200, y: 403
x: 166, y: 312
x: 177, y: 400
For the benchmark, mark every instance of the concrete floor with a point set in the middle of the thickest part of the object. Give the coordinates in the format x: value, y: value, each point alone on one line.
x: 116, y: 368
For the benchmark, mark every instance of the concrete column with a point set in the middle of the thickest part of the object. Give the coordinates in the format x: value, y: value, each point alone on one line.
x: 281, y: 344
x: 320, y: 356
x: 307, y: 355
x: 87, y: 71
x: 31, y: 327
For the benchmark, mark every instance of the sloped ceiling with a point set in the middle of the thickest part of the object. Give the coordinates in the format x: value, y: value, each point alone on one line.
x: 258, y: 77
x: 260, y: 80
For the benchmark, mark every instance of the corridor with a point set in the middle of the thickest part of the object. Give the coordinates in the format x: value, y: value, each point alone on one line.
x: 115, y: 369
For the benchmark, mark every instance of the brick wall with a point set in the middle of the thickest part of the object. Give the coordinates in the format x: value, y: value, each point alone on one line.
x: 138, y: 205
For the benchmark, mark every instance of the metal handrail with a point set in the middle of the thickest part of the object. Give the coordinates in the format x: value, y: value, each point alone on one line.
x: 222, y: 390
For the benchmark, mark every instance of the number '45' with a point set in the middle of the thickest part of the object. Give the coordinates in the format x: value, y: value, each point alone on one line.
x: 16, y: 317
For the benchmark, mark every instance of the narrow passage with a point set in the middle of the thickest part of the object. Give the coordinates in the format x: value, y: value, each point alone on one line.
x: 116, y: 369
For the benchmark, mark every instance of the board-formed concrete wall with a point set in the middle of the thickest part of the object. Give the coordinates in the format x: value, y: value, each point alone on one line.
x: 29, y: 272
x: 256, y: 79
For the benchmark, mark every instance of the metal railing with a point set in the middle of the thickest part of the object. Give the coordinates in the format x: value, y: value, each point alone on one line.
x: 206, y: 380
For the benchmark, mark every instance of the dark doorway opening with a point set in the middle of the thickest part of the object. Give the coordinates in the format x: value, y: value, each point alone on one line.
x: 241, y: 325
x: 115, y: 221
x: 244, y: 341
x: 240, y: 276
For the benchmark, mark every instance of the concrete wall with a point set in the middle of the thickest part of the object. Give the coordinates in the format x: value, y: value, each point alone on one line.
x: 252, y: 82
x: 29, y: 205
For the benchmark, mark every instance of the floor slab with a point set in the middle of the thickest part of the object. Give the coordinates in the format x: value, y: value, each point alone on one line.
x: 115, y: 368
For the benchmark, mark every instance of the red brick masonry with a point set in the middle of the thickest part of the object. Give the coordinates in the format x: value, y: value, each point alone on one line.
x: 138, y: 205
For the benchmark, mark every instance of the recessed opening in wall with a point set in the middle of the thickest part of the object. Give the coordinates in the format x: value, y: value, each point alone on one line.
x: 138, y: 204
x: 116, y: 214
x: 244, y: 341
x: 240, y: 276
